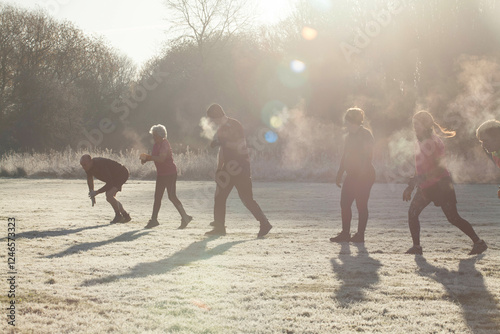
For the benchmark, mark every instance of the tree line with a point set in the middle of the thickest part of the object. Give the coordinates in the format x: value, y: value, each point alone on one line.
x: 60, y: 87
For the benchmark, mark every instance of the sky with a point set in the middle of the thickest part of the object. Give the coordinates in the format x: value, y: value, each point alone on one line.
x: 138, y: 29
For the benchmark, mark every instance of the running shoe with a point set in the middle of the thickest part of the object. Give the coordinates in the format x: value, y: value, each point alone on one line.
x: 126, y: 218
x: 417, y: 250
x: 185, y: 222
x: 152, y: 223
x: 341, y: 237
x: 358, y: 237
x: 265, y: 227
x: 117, y: 219
x: 218, y: 230
x: 478, y: 247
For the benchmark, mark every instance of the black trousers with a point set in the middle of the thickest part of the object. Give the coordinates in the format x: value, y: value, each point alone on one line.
x: 166, y: 182
x: 242, y: 181
x: 356, y: 188
x: 449, y: 207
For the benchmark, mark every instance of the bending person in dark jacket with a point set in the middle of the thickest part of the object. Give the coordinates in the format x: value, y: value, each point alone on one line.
x: 114, y: 175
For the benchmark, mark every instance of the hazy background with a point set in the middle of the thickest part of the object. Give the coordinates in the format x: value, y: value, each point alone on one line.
x: 76, y: 75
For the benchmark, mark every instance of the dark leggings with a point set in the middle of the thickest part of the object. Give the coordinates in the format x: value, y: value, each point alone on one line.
x: 355, y: 189
x: 449, y: 208
x: 168, y: 182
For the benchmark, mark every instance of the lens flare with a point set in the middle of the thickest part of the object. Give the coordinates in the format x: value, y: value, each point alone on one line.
x: 297, y: 66
x: 309, y: 33
x: 276, y: 122
x: 274, y: 114
x: 322, y: 5
x: 271, y: 137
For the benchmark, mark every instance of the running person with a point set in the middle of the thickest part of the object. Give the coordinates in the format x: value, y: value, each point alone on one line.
x: 166, y: 175
x: 434, y: 183
x: 488, y: 134
x: 357, y: 163
x: 233, y: 170
x: 114, y: 175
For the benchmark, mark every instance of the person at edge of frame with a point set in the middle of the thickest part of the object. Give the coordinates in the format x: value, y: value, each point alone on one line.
x: 434, y: 183
x: 488, y: 133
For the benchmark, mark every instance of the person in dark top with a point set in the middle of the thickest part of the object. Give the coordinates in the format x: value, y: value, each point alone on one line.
x: 488, y: 133
x: 166, y: 175
x: 114, y: 175
x: 233, y: 170
x: 357, y: 163
x: 434, y: 183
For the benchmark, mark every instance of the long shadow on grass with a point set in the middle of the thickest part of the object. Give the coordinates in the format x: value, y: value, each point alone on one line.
x: 357, y: 274
x: 197, y: 251
x: 52, y: 233
x: 125, y: 237
x: 466, y: 287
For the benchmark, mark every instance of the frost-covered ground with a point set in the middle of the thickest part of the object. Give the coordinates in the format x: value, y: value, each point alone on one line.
x: 78, y: 274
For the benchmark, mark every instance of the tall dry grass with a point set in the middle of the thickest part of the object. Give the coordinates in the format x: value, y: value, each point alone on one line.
x: 191, y: 165
x: 267, y: 165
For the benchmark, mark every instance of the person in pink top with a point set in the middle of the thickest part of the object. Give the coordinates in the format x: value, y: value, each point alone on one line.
x: 166, y: 175
x: 434, y: 183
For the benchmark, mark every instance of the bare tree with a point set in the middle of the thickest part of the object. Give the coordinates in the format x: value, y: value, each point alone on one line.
x: 54, y: 80
x: 209, y: 22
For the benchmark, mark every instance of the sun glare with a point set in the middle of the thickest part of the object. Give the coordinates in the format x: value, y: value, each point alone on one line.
x: 272, y: 11
x: 309, y: 33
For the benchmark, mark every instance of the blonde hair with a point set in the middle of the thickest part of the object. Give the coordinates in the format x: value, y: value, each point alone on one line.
x: 158, y: 129
x: 355, y: 115
x: 488, y: 128
x: 425, y: 119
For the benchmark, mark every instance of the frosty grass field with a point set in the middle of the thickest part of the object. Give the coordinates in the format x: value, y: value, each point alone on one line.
x: 78, y: 274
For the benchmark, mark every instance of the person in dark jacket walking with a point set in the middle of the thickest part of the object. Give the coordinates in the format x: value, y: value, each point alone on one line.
x: 233, y: 170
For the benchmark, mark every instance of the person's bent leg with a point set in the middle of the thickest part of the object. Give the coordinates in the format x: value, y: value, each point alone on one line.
x: 172, y: 196
x: 110, y: 197
x: 121, y: 179
x: 451, y: 213
x: 450, y: 210
x: 243, y: 184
